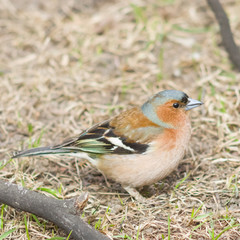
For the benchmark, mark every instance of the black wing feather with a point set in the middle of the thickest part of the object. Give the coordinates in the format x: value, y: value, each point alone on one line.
x: 100, y: 134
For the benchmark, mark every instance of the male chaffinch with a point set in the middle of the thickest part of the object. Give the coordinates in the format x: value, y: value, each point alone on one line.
x: 137, y: 147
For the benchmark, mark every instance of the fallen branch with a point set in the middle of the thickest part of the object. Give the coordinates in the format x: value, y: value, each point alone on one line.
x: 61, y: 212
x: 226, y: 33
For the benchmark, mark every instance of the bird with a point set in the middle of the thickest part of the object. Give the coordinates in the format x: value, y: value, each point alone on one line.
x: 139, y: 146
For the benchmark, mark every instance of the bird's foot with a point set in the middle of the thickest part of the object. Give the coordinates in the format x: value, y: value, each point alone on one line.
x: 134, y: 193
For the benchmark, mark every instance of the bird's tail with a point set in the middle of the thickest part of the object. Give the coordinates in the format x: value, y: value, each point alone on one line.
x: 40, y: 151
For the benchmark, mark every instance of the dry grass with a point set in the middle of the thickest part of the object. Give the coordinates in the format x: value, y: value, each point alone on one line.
x: 68, y: 64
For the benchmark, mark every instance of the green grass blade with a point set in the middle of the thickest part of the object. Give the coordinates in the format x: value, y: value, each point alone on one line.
x: 26, y: 226
x: 50, y: 191
x: 224, y: 230
x: 178, y: 184
x: 36, y: 220
x: 169, y: 230
x: 68, y: 237
x: 1, y: 219
x: 4, y: 165
x: 194, y: 213
x: 4, y: 235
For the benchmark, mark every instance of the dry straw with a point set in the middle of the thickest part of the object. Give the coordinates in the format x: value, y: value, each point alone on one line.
x: 65, y: 65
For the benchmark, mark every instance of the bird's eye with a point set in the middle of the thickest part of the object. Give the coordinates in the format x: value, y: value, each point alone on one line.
x: 176, y: 105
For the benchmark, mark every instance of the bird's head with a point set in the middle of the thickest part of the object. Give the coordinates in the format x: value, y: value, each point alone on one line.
x: 169, y: 108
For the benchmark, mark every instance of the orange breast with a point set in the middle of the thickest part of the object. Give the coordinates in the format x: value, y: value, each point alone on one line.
x: 167, y: 141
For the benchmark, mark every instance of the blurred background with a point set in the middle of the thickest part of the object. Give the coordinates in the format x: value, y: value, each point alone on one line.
x: 65, y: 65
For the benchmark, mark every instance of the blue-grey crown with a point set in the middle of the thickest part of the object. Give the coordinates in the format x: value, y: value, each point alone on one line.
x: 167, y: 95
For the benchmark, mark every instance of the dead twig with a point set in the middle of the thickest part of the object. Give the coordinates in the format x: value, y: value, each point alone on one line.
x: 226, y: 33
x: 61, y: 212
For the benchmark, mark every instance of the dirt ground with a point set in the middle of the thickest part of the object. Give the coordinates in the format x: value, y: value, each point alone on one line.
x: 65, y: 65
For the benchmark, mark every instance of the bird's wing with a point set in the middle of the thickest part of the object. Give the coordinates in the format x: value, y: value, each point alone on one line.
x: 128, y: 133
x: 102, y: 139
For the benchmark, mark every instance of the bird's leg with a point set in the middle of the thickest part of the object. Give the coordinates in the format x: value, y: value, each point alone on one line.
x: 105, y: 178
x: 134, y: 193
